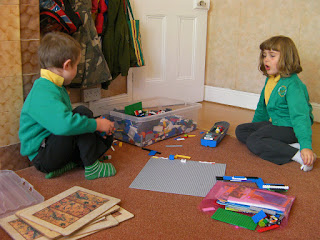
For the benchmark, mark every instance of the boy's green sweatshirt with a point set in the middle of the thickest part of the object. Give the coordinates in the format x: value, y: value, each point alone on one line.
x: 288, y: 106
x: 47, y: 110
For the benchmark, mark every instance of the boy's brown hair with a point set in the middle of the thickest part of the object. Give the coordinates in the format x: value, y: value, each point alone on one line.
x: 289, y: 61
x: 56, y: 48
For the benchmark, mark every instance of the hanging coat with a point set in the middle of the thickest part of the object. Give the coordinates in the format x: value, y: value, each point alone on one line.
x: 93, y: 68
x: 116, y: 47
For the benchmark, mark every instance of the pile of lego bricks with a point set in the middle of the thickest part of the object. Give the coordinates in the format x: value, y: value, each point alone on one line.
x: 148, y: 132
x: 144, y: 113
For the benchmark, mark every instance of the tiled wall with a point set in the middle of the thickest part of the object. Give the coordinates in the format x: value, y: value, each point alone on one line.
x: 237, y: 27
x: 30, y: 39
x: 10, y: 72
x: 19, y: 39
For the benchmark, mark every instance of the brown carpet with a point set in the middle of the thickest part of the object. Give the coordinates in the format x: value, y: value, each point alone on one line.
x: 171, y: 216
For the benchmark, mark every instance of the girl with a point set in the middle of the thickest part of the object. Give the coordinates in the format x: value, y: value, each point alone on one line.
x: 281, y: 127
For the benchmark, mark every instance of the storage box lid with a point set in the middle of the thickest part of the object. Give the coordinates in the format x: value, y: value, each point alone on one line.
x: 157, y: 103
x: 16, y: 193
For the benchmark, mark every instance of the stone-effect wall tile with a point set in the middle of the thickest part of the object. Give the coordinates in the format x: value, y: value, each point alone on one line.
x: 11, y: 159
x: 29, y: 52
x: 10, y: 58
x: 11, y: 93
x: 11, y: 97
x: 9, y: 2
x: 10, y: 24
x: 28, y: 80
x: 30, y: 2
x: 30, y: 40
x: 9, y: 127
x: 29, y: 21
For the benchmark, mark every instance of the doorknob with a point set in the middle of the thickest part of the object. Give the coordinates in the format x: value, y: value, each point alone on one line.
x: 201, y: 4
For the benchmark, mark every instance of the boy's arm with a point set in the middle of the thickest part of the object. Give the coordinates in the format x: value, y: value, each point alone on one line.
x: 49, y: 108
x: 104, y: 125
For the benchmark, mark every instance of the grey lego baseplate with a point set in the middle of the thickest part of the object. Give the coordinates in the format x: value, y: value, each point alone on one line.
x: 175, y: 176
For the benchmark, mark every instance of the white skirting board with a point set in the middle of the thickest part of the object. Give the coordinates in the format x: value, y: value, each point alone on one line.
x: 242, y: 99
x: 104, y: 105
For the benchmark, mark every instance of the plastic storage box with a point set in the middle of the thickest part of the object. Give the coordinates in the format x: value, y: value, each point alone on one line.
x: 16, y: 193
x: 144, y: 131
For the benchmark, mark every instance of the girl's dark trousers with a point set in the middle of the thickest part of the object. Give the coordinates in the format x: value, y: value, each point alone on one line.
x: 268, y: 141
x: 57, y: 151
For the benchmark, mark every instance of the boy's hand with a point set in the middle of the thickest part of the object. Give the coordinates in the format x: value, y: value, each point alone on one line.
x: 104, y: 125
x: 307, y: 156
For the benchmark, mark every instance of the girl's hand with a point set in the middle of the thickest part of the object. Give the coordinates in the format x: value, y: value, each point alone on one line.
x: 307, y: 156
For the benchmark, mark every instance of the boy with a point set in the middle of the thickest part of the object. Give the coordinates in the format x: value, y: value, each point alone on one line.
x: 53, y: 136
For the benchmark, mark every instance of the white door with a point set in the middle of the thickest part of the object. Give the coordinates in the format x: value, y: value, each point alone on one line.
x: 173, y: 34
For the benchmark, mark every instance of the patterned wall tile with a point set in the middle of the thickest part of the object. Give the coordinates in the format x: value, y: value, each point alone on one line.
x: 74, y: 94
x: 9, y: 127
x: 28, y: 80
x: 10, y: 23
x: 9, y: 2
x: 30, y: 22
x: 11, y: 93
x: 11, y: 159
x: 30, y: 36
x: 29, y: 52
x: 30, y: 2
x: 10, y: 58
x: 11, y: 97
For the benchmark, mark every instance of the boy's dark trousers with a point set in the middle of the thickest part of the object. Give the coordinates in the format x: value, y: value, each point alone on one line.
x: 268, y: 141
x: 57, y: 151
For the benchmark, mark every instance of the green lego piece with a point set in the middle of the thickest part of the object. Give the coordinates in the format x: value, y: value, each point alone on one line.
x: 133, y: 107
x: 262, y: 223
x: 234, y: 218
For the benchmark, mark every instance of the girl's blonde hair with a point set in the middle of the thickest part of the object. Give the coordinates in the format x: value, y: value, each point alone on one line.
x: 289, y: 61
x: 56, y: 48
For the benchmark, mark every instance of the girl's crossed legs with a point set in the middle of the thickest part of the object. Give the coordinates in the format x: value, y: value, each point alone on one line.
x: 269, y: 142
